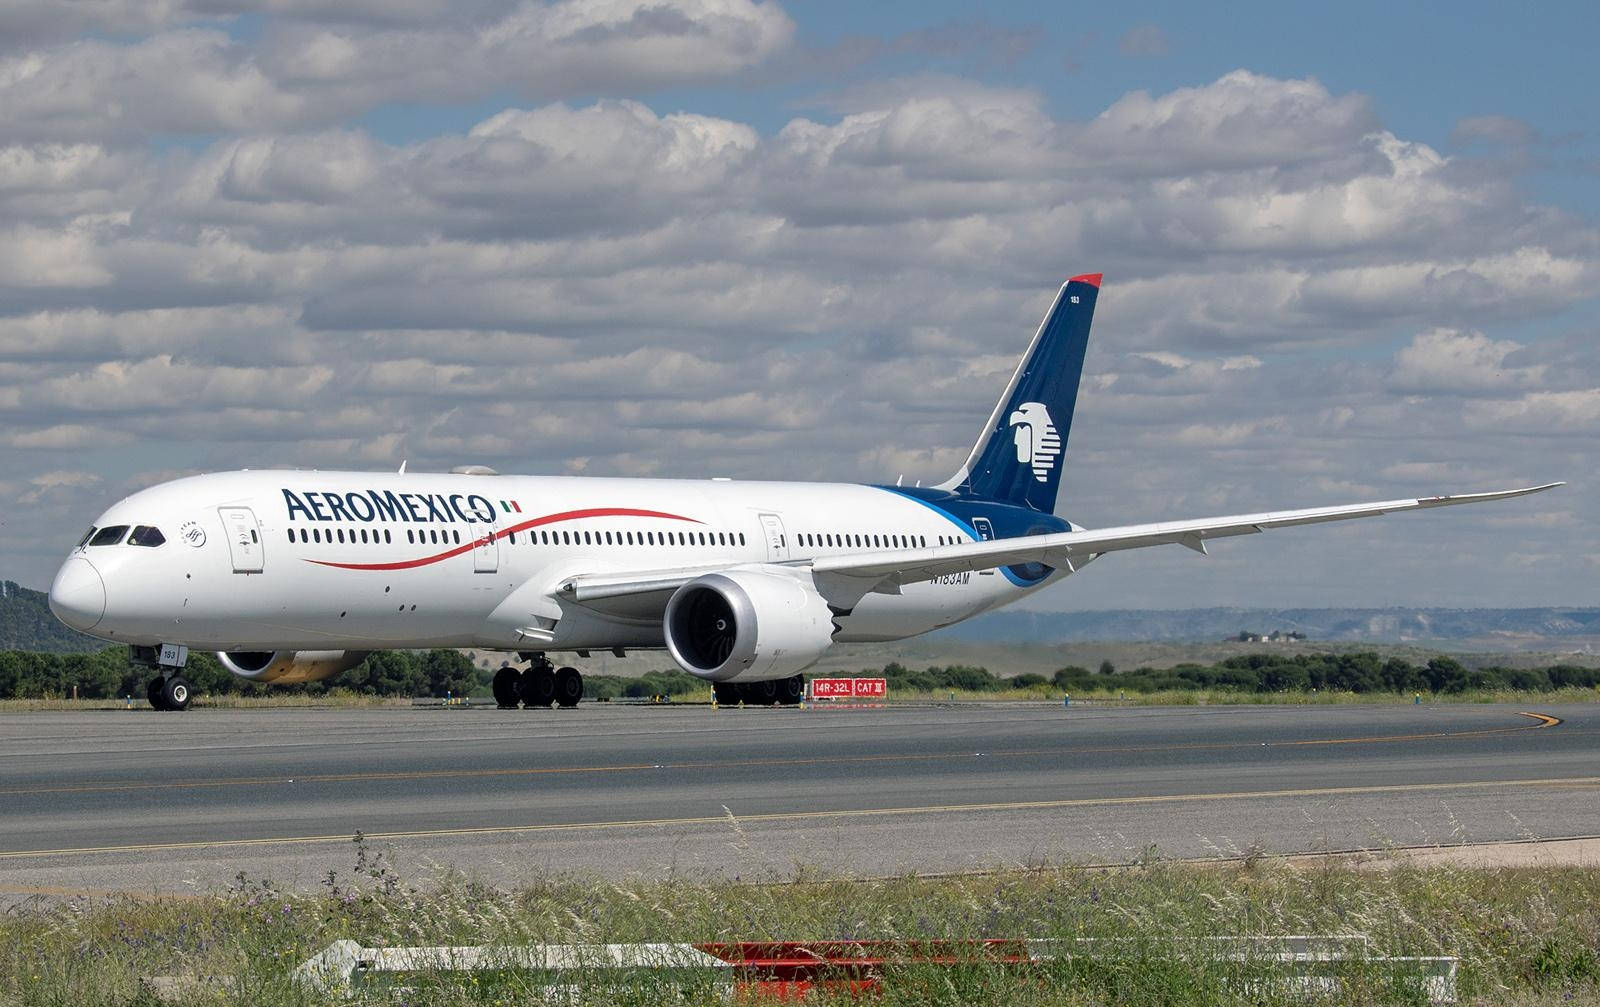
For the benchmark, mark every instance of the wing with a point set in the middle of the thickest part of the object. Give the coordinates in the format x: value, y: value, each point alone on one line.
x: 856, y: 574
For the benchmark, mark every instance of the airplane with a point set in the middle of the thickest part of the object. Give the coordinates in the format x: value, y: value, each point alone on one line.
x: 294, y: 575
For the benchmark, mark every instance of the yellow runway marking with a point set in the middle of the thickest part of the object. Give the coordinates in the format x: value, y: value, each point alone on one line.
x: 795, y: 816
x: 1545, y: 720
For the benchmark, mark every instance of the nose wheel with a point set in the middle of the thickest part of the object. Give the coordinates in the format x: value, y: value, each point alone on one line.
x: 174, y: 693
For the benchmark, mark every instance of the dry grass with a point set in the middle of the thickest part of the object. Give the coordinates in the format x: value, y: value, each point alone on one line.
x: 1525, y: 936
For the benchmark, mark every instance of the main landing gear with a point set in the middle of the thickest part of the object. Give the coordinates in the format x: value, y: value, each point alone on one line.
x: 169, y: 692
x: 541, y: 684
x: 774, y: 692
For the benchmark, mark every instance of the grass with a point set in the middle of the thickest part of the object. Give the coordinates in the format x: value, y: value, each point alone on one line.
x: 1525, y: 936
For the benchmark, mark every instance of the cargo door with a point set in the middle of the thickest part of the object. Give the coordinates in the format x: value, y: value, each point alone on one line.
x: 244, y: 539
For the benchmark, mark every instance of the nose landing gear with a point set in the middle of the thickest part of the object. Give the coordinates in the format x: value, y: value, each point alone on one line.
x: 169, y: 693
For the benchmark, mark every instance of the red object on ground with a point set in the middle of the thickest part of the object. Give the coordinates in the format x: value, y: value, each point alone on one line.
x: 849, y: 688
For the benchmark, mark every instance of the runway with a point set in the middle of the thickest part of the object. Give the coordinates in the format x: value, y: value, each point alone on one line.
x: 147, y: 801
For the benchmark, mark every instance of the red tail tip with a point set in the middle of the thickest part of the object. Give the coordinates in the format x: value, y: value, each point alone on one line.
x: 1092, y: 279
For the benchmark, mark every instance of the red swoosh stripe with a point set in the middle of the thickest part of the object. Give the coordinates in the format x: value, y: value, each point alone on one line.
x: 570, y: 515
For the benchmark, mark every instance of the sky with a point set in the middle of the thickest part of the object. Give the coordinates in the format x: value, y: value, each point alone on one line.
x: 1349, y: 255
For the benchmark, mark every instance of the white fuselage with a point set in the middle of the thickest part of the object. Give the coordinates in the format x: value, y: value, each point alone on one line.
x: 287, y: 560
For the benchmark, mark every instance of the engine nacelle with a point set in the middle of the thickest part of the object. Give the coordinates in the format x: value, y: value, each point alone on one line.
x: 747, y: 626
x: 287, y: 667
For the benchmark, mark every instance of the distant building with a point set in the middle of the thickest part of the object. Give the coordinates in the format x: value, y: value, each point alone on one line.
x: 1276, y: 636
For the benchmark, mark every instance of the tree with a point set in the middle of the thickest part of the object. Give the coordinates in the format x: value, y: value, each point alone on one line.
x: 1107, y: 668
x: 388, y: 673
x: 448, y: 672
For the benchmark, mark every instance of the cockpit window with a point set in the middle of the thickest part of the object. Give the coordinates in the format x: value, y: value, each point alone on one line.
x: 87, y: 536
x: 146, y: 535
x: 110, y: 535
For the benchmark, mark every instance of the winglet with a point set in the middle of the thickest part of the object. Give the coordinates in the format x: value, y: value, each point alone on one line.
x: 1092, y: 279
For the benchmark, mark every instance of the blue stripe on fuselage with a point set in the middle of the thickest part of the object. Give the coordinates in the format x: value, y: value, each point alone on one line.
x: 1007, y: 521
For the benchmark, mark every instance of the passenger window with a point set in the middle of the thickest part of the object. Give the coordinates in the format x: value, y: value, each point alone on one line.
x: 341, y: 536
x: 411, y: 537
x: 86, y: 537
x: 316, y: 535
x: 386, y: 539
x: 363, y: 536
x: 457, y: 535
x: 741, y: 538
x: 150, y: 537
x: 253, y: 537
x: 291, y: 536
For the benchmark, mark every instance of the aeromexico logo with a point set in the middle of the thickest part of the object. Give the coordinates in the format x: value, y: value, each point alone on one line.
x: 1038, y: 443
x: 387, y: 505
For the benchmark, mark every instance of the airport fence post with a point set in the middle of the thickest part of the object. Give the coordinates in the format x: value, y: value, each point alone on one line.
x: 1418, y: 700
x: 1066, y: 700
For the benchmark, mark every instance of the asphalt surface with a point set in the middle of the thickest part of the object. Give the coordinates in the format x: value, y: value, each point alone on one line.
x: 140, y: 800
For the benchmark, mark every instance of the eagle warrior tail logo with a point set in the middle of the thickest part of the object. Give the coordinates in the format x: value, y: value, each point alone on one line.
x: 1038, y: 443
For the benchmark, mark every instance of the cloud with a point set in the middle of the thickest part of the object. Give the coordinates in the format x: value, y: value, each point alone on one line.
x: 310, y: 72
x: 1455, y: 361
x: 1145, y: 40
x: 1500, y: 129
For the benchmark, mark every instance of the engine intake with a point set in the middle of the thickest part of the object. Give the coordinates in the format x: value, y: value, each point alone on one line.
x: 747, y: 626
x: 287, y: 667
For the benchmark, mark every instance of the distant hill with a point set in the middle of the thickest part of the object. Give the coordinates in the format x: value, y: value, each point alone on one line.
x: 26, y: 623
x: 1495, y: 627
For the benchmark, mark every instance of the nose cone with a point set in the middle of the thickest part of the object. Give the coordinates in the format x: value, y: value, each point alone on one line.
x: 78, y: 596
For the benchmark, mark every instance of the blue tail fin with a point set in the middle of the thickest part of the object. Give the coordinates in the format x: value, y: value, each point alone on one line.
x: 1017, y: 459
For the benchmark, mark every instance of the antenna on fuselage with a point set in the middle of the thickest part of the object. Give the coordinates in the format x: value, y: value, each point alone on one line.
x: 403, y: 465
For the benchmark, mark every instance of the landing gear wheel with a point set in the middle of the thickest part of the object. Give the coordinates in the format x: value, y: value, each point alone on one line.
x: 537, y: 687
x: 504, y: 687
x: 761, y: 693
x: 152, y: 692
x: 791, y: 690
x: 727, y: 693
x: 176, y: 693
x: 568, y: 687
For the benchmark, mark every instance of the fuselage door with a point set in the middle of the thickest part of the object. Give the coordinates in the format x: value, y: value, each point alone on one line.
x: 244, y: 539
x: 485, y: 547
x: 777, y: 541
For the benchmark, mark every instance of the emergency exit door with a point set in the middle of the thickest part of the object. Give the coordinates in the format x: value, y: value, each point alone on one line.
x: 777, y: 541
x: 485, y: 547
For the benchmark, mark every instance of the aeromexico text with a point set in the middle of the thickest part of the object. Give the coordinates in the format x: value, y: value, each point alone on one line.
x: 387, y: 505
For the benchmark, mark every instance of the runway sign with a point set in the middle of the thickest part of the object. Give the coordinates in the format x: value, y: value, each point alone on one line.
x: 849, y: 688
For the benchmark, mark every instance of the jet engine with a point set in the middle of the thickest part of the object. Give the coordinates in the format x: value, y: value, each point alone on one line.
x: 287, y: 667
x: 747, y: 626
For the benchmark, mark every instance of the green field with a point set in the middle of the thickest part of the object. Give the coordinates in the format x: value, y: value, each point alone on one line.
x: 1524, y: 936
